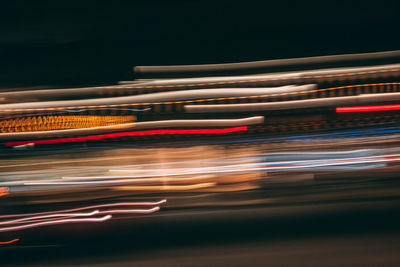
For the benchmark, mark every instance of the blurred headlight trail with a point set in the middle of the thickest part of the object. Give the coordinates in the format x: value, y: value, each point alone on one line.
x: 53, y: 222
x: 26, y: 221
x: 52, y: 213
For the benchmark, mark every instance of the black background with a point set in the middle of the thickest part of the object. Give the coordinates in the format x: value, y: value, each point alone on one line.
x: 98, y: 42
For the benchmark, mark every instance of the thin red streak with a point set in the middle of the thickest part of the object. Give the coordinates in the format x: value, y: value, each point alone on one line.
x: 9, y: 242
x: 124, y: 134
x: 367, y: 108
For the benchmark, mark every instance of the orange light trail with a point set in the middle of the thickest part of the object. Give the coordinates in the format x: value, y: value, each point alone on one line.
x: 9, y: 242
x: 4, y: 191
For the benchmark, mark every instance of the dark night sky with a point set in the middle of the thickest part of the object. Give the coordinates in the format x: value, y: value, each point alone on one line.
x: 89, y: 42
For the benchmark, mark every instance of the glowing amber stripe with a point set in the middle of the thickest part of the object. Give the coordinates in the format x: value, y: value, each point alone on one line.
x: 46, y: 123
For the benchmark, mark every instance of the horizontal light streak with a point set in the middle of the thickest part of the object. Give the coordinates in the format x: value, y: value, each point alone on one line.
x: 167, y: 187
x: 139, y: 211
x: 155, y: 203
x: 9, y: 242
x: 50, y: 216
x: 45, y: 123
x: 253, y: 167
x: 127, y: 134
x: 61, y: 217
x: 54, y: 222
x: 367, y: 108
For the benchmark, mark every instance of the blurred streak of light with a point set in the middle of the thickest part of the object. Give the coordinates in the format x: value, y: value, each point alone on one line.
x: 31, y: 222
x: 367, y: 108
x: 211, y: 154
x: 56, y: 182
x: 4, y: 190
x: 212, y: 189
x: 40, y: 107
x: 292, y: 104
x: 322, y: 153
x: 42, y: 219
x: 273, y: 79
x: 182, y: 171
x: 160, y: 84
x: 167, y: 187
x: 136, y: 133
x: 68, y: 161
x: 126, y: 127
x: 282, y: 166
x: 9, y: 242
x: 222, y: 160
x: 21, y: 227
x: 46, y: 123
x: 305, y: 155
x: 124, y: 109
x: 142, y: 211
x: 162, y: 179
x: 163, y: 201
x: 319, y: 136
x: 157, y: 98
x: 263, y: 64
x: 50, y: 216
x: 270, y: 164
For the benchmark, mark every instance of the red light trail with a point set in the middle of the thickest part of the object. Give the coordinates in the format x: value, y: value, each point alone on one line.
x: 126, y: 134
x: 367, y: 108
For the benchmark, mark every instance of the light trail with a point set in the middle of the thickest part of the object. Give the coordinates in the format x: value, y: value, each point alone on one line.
x: 142, y: 211
x: 368, y: 108
x: 130, y: 126
x: 315, y: 136
x: 33, y: 221
x: 168, y: 187
x: 163, y: 201
x: 243, y: 66
x: 3, y: 109
x: 159, y: 97
x: 284, y: 166
x: 9, y: 242
x: 43, y: 220
x: 32, y: 225
x: 127, y: 134
x: 4, y: 190
x: 50, y: 216
x: 327, y: 102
